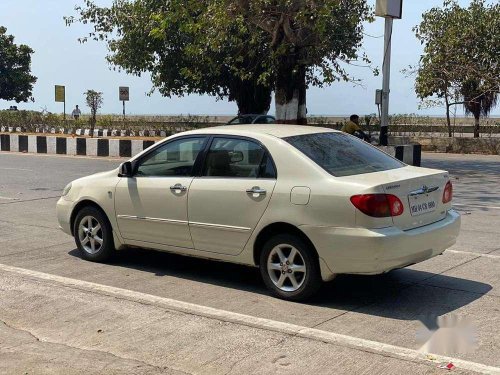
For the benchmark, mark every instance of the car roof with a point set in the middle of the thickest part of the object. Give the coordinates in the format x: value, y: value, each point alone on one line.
x: 276, y: 130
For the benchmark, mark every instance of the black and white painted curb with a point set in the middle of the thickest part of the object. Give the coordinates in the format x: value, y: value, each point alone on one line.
x: 96, y: 133
x: 409, y: 154
x: 42, y: 144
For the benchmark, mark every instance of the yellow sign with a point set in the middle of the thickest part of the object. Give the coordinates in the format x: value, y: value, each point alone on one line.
x: 60, y: 94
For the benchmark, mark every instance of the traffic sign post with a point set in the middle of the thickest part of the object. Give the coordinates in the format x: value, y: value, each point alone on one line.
x: 60, y: 96
x: 124, y: 94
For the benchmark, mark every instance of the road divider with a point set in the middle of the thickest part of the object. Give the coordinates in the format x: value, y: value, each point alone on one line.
x: 41, y: 144
x: 84, y: 146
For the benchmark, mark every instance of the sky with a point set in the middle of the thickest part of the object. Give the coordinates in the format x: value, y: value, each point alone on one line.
x: 60, y: 59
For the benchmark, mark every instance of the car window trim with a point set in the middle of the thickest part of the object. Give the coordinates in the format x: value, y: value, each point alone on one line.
x: 241, y: 137
x: 139, y: 160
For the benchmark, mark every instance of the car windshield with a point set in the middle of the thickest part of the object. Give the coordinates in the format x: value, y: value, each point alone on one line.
x: 343, y: 155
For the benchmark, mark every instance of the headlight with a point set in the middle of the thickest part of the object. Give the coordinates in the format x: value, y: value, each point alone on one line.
x: 66, y: 190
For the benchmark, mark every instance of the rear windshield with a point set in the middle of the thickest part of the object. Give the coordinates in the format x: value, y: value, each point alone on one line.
x: 343, y: 155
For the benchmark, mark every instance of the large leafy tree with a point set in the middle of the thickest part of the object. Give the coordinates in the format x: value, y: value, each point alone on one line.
x: 308, y: 43
x: 16, y: 80
x: 171, y: 41
x: 461, y: 59
x: 236, y: 49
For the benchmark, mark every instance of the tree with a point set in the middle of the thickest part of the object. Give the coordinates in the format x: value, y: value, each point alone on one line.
x: 461, y: 59
x: 478, y: 101
x: 94, y: 102
x: 16, y: 80
x: 241, y: 50
x: 308, y: 42
x: 169, y: 40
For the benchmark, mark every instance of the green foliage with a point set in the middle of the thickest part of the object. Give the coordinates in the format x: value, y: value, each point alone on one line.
x: 324, y: 35
x: 170, y: 40
x: 461, y: 60
x: 16, y: 81
x: 94, y: 102
x: 228, y: 49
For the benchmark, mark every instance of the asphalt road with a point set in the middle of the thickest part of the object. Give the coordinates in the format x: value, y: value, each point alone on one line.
x: 56, y: 325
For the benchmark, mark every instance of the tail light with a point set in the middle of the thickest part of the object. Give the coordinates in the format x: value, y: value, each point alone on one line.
x: 378, y: 205
x: 448, y: 192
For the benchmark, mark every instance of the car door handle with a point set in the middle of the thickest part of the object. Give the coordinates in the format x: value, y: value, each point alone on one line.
x: 256, y: 190
x: 178, y: 187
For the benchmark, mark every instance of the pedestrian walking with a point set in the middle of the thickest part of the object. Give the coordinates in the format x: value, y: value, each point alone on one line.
x: 76, y: 113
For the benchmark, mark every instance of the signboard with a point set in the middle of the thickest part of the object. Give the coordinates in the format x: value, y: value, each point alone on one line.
x: 389, y: 8
x: 60, y: 94
x: 124, y: 94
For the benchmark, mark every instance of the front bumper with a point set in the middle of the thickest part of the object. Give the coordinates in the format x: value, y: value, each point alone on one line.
x: 64, y: 209
x: 375, y: 251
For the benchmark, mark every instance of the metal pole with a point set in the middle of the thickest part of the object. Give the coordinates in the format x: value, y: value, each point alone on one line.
x: 386, y: 71
x: 124, y: 109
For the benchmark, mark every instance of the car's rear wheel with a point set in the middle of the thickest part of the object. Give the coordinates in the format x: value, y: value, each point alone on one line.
x: 93, y: 235
x: 290, y: 268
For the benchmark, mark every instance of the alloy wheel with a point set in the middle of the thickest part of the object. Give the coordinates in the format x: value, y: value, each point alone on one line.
x: 90, y: 234
x: 286, y: 268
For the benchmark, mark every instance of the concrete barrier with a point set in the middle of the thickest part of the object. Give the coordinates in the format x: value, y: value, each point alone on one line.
x: 41, y: 144
x: 485, y: 145
x: 53, y: 144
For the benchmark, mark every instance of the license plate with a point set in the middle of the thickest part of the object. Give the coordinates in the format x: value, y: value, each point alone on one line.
x: 421, y: 204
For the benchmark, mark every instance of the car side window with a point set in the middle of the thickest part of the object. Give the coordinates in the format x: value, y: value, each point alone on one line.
x: 174, y: 159
x: 235, y: 157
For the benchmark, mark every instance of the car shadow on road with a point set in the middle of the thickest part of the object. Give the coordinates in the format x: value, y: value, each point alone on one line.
x: 404, y: 294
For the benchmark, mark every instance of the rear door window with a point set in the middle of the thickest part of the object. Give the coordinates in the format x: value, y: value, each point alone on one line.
x: 343, y: 155
x: 237, y: 157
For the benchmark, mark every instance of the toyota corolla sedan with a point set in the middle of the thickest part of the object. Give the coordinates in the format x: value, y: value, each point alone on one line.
x: 303, y: 204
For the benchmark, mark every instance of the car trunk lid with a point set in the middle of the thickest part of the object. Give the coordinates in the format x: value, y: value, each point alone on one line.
x: 419, y: 189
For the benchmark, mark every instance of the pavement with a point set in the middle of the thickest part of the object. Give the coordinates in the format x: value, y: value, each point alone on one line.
x: 148, y: 312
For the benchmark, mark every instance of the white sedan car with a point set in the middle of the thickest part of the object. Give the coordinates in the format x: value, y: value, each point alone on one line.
x: 301, y: 203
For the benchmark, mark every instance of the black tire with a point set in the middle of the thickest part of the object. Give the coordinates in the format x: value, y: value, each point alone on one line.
x: 310, y: 282
x: 104, y: 251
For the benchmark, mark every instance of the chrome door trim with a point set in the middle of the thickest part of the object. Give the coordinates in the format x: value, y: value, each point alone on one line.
x: 182, y: 222
x: 152, y: 219
x: 220, y: 226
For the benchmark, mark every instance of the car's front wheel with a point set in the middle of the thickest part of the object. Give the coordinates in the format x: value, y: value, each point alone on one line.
x: 93, y: 235
x: 290, y: 268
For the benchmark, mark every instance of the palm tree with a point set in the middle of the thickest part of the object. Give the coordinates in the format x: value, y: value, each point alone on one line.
x: 478, y: 101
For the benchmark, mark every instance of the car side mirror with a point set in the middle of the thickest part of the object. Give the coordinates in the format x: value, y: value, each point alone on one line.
x: 236, y: 157
x: 126, y: 169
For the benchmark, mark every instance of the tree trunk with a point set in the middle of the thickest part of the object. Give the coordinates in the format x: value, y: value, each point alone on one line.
x: 93, y: 121
x: 476, y: 126
x: 448, y: 120
x: 291, y: 92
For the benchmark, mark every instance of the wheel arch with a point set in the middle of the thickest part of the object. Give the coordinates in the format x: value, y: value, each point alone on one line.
x: 274, y: 229
x: 80, y: 206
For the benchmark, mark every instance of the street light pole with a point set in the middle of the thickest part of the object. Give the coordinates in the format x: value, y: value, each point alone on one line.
x: 386, y: 72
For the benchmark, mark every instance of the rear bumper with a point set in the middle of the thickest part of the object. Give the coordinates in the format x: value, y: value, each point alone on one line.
x: 375, y: 251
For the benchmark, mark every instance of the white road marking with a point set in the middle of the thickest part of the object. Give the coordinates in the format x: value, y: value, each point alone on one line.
x: 259, y: 323
x: 16, y: 169
x: 477, y: 206
x: 472, y: 253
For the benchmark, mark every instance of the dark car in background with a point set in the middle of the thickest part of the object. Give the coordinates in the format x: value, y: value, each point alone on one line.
x: 252, y: 119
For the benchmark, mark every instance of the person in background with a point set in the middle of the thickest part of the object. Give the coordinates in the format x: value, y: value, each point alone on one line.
x: 352, y: 127
x: 76, y: 113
